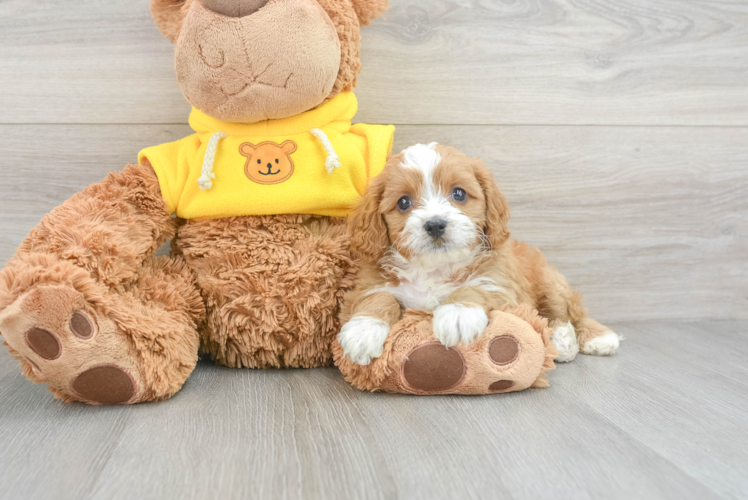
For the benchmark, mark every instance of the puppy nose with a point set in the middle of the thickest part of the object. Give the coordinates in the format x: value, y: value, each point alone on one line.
x: 234, y: 8
x: 435, y: 227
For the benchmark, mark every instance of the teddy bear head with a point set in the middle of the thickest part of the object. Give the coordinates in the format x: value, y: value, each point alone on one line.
x: 251, y: 60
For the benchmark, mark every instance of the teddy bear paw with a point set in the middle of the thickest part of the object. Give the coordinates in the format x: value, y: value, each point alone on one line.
x: 507, y: 356
x: 64, y: 343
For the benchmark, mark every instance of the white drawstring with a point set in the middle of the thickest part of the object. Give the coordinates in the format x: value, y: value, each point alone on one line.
x: 333, y: 160
x: 205, y: 180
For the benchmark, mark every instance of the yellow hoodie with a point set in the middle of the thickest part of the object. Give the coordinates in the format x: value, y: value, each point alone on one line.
x: 312, y: 163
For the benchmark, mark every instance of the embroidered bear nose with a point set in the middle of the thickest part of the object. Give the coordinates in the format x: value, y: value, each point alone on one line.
x: 234, y: 8
x: 435, y: 227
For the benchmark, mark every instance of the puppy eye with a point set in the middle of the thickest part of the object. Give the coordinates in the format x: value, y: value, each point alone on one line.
x: 403, y: 203
x: 259, y: 161
x: 459, y: 195
x: 276, y: 161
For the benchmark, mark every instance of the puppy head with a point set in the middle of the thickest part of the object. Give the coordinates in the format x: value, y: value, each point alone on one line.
x: 430, y: 200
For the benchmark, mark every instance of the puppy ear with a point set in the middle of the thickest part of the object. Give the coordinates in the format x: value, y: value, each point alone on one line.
x: 497, y: 208
x: 366, y: 226
x: 169, y: 16
x: 368, y: 10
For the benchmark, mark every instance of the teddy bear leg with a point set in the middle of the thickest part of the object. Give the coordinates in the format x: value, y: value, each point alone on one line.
x: 86, y: 309
x: 513, y: 353
x: 88, y: 344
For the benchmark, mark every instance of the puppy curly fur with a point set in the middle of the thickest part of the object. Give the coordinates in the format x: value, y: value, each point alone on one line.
x: 486, y: 270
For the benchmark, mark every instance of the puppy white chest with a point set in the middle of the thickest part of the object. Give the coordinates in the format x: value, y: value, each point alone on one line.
x: 426, y: 283
x: 424, y: 291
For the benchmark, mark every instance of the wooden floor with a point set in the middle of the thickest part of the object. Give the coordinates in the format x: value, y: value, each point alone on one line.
x: 618, y: 130
x: 666, y: 418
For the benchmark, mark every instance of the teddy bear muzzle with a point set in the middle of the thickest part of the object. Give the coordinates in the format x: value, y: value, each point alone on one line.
x: 234, y: 8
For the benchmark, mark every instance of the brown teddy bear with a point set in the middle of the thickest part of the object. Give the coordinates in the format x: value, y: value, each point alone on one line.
x: 254, y: 203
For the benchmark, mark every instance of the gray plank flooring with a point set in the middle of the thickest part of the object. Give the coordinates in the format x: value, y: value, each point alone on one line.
x: 618, y: 131
x: 664, y: 418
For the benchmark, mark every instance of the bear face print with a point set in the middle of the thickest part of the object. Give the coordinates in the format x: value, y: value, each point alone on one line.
x: 268, y: 162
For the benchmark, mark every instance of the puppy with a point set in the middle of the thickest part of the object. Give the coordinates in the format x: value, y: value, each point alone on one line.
x: 432, y: 234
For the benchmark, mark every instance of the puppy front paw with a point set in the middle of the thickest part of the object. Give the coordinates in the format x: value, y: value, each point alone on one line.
x: 457, y: 323
x: 362, y: 339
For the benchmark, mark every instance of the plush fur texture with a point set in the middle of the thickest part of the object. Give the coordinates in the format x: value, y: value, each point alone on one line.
x: 278, y: 62
x: 463, y: 271
x: 296, y: 63
x: 249, y: 291
x: 272, y: 285
x: 95, y: 253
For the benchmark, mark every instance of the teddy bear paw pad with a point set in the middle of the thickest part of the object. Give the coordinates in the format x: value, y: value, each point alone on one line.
x: 503, y: 350
x: 108, y: 385
x: 44, y: 343
x: 81, y: 325
x: 432, y: 367
x: 66, y: 344
x: 501, y: 385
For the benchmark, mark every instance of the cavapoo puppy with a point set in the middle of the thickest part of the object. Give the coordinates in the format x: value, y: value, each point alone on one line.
x: 432, y: 234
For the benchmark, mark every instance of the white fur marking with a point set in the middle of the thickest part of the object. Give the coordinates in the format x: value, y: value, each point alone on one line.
x: 457, y: 323
x: 362, y: 338
x: 333, y: 160
x: 205, y: 181
x: 565, y: 339
x: 422, y: 157
x: 604, y: 345
x: 425, y: 281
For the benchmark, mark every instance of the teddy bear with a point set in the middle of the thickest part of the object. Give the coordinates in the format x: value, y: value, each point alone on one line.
x: 254, y: 203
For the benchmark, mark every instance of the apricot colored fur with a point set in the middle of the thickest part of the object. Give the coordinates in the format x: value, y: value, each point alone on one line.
x: 522, y: 281
x: 519, y: 269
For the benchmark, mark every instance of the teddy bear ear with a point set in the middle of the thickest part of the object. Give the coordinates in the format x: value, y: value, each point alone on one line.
x: 169, y: 16
x: 368, y: 10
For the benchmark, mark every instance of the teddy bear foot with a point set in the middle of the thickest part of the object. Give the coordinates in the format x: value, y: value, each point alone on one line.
x: 513, y: 353
x: 431, y: 367
x: 92, y: 345
x: 63, y: 342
